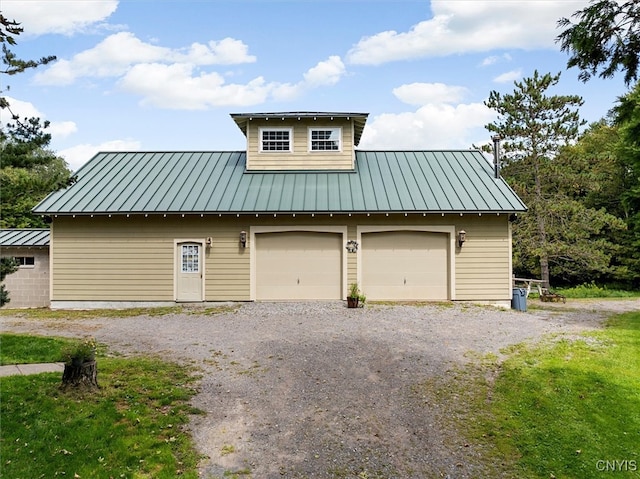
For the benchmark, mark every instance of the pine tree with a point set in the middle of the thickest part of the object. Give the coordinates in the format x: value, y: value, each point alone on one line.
x: 558, y: 230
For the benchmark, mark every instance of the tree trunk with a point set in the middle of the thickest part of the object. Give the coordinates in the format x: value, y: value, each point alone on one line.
x: 544, y: 272
x: 80, y: 375
x: 542, y: 229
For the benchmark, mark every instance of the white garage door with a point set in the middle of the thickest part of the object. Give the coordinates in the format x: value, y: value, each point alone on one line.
x: 405, y: 265
x: 298, y: 266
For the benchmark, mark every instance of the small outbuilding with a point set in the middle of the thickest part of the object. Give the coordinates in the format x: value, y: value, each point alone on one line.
x: 29, y: 286
x: 300, y: 215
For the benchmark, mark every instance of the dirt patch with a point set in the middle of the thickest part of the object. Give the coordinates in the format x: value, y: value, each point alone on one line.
x: 317, y: 390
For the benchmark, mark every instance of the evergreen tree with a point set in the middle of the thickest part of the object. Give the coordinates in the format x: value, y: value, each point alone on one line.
x: 606, y: 38
x: 28, y: 169
x: 7, y: 266
x: 559, y: 233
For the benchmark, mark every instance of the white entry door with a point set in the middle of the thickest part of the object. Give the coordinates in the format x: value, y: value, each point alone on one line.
x: 189, y: 272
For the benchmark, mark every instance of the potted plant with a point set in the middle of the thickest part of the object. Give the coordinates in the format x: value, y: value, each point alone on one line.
x: 80, y: 367
x: 354, y: 296
x: 80, y: 353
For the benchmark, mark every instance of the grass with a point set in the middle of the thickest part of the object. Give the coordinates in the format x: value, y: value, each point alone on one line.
x: 133, y: 426
x: 592, y: 290
x: 566, y: 408
x: 76, y: 314
x: 23, y: 349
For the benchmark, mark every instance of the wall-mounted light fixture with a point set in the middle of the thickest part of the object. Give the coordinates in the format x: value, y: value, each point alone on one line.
x: 352, y: 246
x: 209, y: 241
x: 462, y: 237
x: 243, y: 239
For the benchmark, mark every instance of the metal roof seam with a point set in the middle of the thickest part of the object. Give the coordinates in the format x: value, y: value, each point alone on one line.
x: 139, y: 168
x: 465, y: 168
x: 405, y: 177
x: 191, y: 178
x: 92, y: 164
x: 436, y: 179
x: 157, y: 167
x: 219, y: 169
x: 455, y: 190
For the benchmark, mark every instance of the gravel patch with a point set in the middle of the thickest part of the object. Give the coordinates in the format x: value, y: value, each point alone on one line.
x: 316, y: 390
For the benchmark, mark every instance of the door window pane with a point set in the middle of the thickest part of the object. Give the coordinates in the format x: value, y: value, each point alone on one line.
x: 190, y: 258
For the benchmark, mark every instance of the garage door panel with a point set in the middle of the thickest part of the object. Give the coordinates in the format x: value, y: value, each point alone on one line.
x: 405, y: 265
x: 298, y: 266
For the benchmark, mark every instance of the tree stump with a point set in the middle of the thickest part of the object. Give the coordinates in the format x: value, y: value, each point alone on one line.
x: 80, y: 374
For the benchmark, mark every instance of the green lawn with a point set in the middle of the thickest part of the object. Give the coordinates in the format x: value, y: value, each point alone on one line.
x: 566, y: 408
x: 592, y: 290
x: 23, y: 349
x: 132, y: 427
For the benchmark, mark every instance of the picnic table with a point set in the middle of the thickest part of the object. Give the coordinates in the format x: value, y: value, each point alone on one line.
x: 545, y: 294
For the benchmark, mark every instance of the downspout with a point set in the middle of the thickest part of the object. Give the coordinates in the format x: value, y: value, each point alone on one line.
x: 496, y: 155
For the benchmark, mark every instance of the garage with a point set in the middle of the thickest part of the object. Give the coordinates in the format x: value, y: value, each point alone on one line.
x: 298, y: 265
x: 405, y: 265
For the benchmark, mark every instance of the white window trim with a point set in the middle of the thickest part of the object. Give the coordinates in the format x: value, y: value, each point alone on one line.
x: 316, y: 128
x: 26, y: 266
x: 262, y: 129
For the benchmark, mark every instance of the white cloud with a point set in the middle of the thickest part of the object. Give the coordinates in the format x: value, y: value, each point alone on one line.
x: 227, y: 51
x: 509, y: 76
x: 468, y: 26
x: 57, y: 129
x: 174, y: 78
x: 181, y: 86
x: 493, y: 59
x: 327, y: 72
x: 440, y: 122
x: 38, y: 17
x: 62, y: 129
x: 78, y: 155
x: 119, y: 52
x: 423, y: 93
x: 178, y: 87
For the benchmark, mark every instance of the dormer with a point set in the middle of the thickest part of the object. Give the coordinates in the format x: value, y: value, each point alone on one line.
x: 301, y: 140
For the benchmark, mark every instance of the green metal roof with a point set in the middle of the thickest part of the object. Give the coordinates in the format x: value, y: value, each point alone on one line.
x: 217, y: 182
x: 24, y: 237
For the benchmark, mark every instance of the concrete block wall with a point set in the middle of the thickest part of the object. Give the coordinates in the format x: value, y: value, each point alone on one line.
x: 29, y: 286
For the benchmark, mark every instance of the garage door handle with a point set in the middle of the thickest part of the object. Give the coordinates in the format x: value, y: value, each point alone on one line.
x: 298, y: 280
x: 405, y: 281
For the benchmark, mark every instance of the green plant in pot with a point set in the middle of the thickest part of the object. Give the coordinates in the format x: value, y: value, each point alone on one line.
x: 81, y: 352
x: 355, y: 296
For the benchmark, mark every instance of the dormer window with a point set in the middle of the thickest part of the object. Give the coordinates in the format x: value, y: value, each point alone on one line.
x: 276, y: 139
x: 325, y: 139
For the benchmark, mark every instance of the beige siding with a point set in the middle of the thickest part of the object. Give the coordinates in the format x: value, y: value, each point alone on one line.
x: 132, y: 259
x: 483, y: 264
x: 29, y: 286
x: 300, y: 158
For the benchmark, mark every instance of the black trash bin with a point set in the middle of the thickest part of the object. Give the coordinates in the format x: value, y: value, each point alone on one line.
x: 519, y: 299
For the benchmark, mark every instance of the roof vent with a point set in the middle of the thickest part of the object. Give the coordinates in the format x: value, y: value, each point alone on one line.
x: 496, y: 155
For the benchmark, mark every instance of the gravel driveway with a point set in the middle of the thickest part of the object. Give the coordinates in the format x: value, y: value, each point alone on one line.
x: 321, y: 391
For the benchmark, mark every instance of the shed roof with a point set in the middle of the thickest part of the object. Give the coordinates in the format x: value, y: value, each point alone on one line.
x: 218, y: 182
x: 24, y: 237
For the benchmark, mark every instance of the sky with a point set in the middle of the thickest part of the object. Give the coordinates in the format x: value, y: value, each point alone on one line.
x: 164, y: 75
